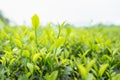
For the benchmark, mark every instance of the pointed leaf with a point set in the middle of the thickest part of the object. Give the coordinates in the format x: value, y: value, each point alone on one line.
x: 52, y: 76
x: 35, y: 57
x: 83, y: 71
x: 18, y: 43
x: 30, y: 67
x: 102, y: 69
x: 35, y: 21
x: 91, y: 63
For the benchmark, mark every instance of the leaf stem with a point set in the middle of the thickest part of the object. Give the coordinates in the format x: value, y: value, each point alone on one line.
x: 36, y: 41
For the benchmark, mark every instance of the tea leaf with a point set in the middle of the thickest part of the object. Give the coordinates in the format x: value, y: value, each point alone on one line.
x: 102, y: 69
x: 91, y: 63
x: 59, y: 42
x: 52, y: 76
x: 115, y: 51
x: 18, y: 43
x: 30, y: 67
x: 26, y: 53
x: 83, y: 71
x: 35, y: 21
x: 117, y: 77
x: 35, y: 57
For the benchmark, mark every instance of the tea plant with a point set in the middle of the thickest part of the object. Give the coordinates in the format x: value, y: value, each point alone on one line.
x: 59, y: 52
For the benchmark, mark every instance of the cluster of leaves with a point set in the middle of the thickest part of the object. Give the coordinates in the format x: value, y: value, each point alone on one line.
x: 59, y: 52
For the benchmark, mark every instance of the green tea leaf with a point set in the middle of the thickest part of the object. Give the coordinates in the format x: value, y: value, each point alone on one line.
x: 30, y: 67
x: 35, y: 57
x: 91, y: 63
x: 115, y: 51
x: 18, y: 43
x: 26, y: 53
x: 83, y: 71
x: 84, y: 54
x: 117, y: 77
x: 90, y: 77
x: 107, y: 57
x: 52, y: 76
x: 59, y: 42
x: 35, y: 21
x: 63, y: 23
x: 102, y: 69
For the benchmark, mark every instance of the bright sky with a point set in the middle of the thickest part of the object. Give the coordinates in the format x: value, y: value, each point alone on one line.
x: 74, y: 11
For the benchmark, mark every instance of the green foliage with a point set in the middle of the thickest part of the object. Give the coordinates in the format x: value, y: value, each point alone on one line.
x: 65, y: 53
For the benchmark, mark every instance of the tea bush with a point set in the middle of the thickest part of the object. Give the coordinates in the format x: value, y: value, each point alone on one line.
x: 59, y: 52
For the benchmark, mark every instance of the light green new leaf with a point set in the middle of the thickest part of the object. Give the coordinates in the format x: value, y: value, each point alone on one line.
x: 102, y: 69
x: 107, y: 57
x: 83, y: 71
x: 26, y: 53
x: 18, y: 43
x: 117, y: 77
x: 59, y: 42
x: 90, y: 77
x: 35, y: 21
x: 52, y: 76
x: 30, y: 67
x: 84, y: 54
x: 91, y: 63
x: 115, y: 51
x: 35, y: 57
x: 63, y: 23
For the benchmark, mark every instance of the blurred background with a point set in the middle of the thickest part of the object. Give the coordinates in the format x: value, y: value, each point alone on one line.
x: 76, y: 12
